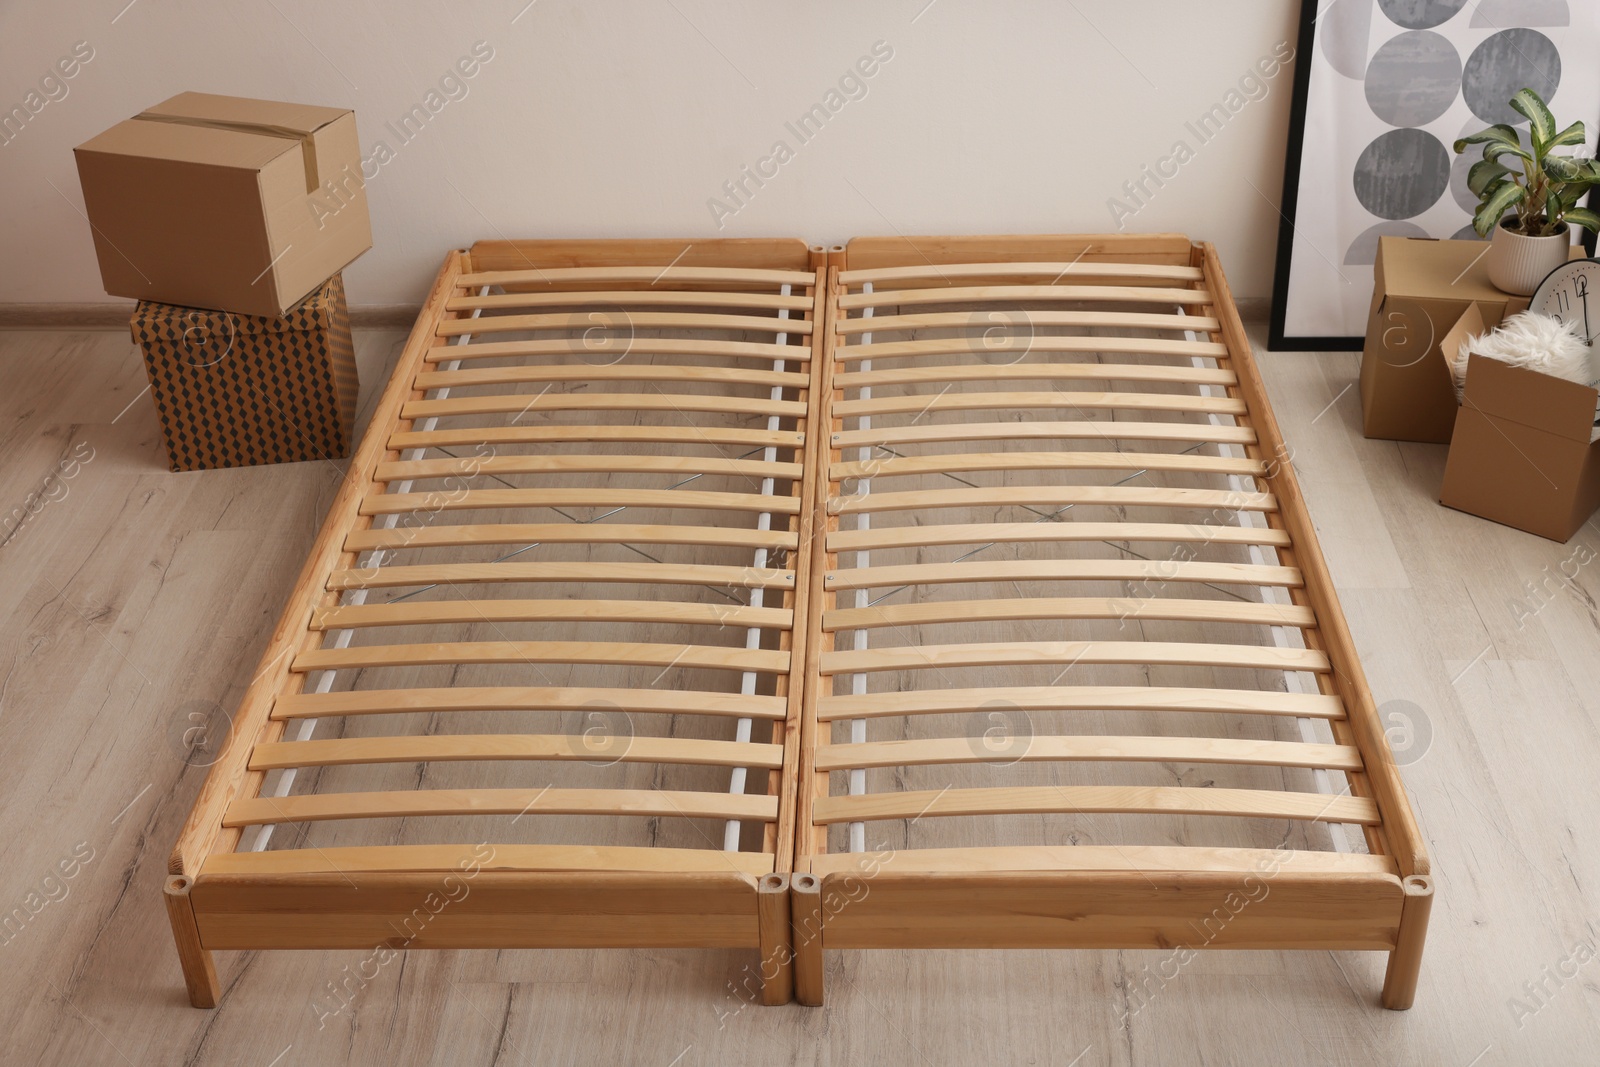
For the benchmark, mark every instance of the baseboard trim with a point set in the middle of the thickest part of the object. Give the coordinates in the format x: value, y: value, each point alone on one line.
x: 114, y: 315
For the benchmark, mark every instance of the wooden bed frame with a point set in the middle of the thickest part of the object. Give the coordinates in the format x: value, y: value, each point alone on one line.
x: 1111, y: 324
x: 544, y: 406
x: 810, y: 375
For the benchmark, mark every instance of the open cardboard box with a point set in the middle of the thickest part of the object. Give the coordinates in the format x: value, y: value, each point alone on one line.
x: 1520, y: 452
x: 1421, y: 288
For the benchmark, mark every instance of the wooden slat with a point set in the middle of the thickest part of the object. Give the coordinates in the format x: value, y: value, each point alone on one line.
x: 902, y: 466
x: 1032, y: 532
x: 525, y: 698
x: 556, y: 747
x: 1127, y: 496
x: 627, y: 653
x: 641, y: 349
x: 471, y: 466
x: 664, y: 274
x: 1037, y: 749
x: 1117, y: 858
x: 1047, y: 343
x: 1018, y: 293
x: 1096, y: 800
x: 1080, y: 698
x: 871, y: 253
x: 560, y: 571
x: 583, y: 533
x: 1020, y: 320
x: 788, y: 254
x: 553, y: 401
x: 1149, y: 271
x: 588, y: 433
x: 1031, y: 371
x: 1061, y: 653
x: 410, y: 859
x: 630, y: 371
x: 646, y: 320
x: 438, y: 612
x: 408, y: 803
x: 622, y: 299
x: 494, y: 499
x: 1041, y: 608
x: 1051, y: 570
x: 1100, y: 429
x: 924, y: 403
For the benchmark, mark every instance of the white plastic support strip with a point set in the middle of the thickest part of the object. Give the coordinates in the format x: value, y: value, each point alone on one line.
x: 1282, y: 636
x: 752, y: 639
x: 323, y: 680
x: 858, y: 682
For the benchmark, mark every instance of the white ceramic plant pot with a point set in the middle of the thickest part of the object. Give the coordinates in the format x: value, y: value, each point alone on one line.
x: 1518, y: 263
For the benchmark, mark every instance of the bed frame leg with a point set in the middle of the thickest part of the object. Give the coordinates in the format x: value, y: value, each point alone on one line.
x: 198, y: 972
x: 806, y: 904
x: 776, y: 939
x: 1405, y: 960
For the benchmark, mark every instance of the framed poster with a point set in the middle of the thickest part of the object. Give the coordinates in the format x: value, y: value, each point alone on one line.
x: 1382, y: 90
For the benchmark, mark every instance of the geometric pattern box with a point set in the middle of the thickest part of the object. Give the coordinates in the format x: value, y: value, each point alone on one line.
x: 237, y: 390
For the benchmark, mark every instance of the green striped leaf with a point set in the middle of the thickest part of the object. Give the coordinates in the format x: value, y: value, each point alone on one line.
x: 1483, y: 173
x: 1498, y: 132
x: 1573, y: 134
x: 1562, y: 169
x: 1541, y: 124
x: 1496, y: 149
x: 1498, y: 199
x: 1582, y: 216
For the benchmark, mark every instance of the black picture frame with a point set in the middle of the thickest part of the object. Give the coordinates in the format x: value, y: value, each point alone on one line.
x: 1277, y: 341
x: 1289, y: 201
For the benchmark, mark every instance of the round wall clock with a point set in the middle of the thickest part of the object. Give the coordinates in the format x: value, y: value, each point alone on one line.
x: 1571, y: 293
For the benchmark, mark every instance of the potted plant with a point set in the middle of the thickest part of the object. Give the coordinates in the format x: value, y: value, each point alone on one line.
x: 1541, y: 191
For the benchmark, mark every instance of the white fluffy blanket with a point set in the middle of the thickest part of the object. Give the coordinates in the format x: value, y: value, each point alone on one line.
x: 1532, y: 341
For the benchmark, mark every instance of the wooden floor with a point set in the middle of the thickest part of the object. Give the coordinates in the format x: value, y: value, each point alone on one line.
x: 135, y: 602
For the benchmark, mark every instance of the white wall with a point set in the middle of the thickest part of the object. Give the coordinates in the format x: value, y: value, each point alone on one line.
x: 624, y: 119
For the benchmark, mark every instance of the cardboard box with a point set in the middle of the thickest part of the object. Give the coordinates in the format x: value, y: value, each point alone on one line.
x: 1421, y: 288
x: 225, y: 203
x: 236, y: 390
x: 1520, y: 453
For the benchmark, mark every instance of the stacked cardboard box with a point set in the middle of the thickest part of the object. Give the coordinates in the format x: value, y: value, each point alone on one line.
x: 1421, y: 288
x: 1520, y: 451
x: 235, y: 390
x: 230, y: 219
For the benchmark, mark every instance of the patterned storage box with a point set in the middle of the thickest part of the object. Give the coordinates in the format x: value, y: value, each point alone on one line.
x: 236, y: 390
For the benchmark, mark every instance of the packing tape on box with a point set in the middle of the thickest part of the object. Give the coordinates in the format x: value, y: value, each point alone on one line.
x: 308, y: 147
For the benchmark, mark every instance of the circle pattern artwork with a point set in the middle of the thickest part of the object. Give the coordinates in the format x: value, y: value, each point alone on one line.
x: 1458, y: 179
x: 1420, y: 14
x: 1495, y: 14
x: 1342, y: 31
x: 1413, y: 78
x: 1502, y: 64
x: 1364, y: 249
x: 1415, y: 62
x: 1401, y: 173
